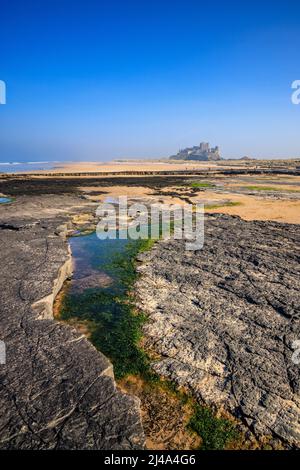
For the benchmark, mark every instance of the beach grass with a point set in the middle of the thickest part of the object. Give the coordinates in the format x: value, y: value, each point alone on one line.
x: 225, y: 204
x: 202, y: 185
x: 270, y: 188
x: 216, y: 432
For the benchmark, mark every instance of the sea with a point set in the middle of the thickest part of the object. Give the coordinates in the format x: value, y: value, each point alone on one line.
x: 24, y: 167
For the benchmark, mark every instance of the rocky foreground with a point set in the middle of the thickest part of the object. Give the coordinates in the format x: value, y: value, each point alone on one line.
x: 57, y: 391
x: 223, y: 321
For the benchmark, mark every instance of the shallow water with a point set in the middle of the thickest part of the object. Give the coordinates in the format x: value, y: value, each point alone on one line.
x: 92, y: 255
x: 97, y: 298
x: 19, y: 167
x: 4, y: 200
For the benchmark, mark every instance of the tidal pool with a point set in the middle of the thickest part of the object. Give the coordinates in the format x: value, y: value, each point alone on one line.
x: 4, y: 200
x: 99, y: 295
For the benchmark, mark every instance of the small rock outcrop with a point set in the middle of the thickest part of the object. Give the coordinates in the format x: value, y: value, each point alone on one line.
x: 224, y: 319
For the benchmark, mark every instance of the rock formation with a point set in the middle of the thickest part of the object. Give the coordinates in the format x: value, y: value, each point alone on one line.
x: 224, y: 319
x: 57, y: 391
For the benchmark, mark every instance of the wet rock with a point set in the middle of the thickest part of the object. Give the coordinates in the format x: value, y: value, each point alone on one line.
x: 223, y: 320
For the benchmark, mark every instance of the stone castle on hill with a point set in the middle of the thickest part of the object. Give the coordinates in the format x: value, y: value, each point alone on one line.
x: 203, y: 153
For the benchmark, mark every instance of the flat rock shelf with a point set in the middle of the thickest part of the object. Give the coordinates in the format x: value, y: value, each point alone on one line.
x: 57, y: 391
x: 223, y: 321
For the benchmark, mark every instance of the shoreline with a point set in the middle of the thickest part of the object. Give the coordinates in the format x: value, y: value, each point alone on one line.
x: 154, y: 166
x: 252, y: 197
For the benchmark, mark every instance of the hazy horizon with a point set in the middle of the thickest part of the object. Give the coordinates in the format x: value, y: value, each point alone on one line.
x: 131, y: 80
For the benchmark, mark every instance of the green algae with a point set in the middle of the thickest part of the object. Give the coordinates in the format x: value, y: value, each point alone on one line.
x: 114, y: 323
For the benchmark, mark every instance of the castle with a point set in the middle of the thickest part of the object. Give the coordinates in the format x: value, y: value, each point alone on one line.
x: 203, y: 153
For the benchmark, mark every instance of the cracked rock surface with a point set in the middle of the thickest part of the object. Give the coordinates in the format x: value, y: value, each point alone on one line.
x: 223, y: 320
x: 56, y: 390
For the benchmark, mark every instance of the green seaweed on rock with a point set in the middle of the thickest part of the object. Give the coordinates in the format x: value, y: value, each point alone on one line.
x: 116, y: 324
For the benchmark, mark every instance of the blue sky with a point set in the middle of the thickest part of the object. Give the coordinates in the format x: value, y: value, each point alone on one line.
x: 95, y: 80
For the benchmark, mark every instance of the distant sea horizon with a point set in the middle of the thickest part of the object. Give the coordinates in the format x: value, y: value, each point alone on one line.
x: 20, y: 167
x: 25, y: 167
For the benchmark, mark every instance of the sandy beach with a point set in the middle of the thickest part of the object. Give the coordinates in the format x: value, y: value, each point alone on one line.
x: 130, y: 166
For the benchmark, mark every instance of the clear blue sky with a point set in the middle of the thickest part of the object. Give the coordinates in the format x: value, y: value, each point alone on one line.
x: 95, y: 80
